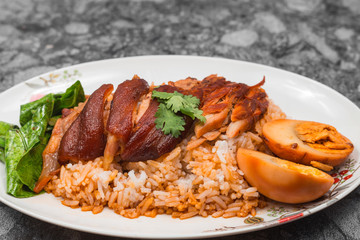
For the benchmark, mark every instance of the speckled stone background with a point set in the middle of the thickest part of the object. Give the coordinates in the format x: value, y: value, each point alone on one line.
x: 316, y: 38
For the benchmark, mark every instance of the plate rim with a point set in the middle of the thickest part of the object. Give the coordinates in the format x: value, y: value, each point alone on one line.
x: 252, y: 228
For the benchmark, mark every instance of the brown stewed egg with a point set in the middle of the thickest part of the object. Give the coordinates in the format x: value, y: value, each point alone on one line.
x: 306, y: 141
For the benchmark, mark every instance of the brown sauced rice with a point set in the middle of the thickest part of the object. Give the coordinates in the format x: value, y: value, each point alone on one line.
x: 200, y: 177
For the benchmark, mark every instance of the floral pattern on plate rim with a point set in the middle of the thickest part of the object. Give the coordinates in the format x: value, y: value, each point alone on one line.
x: 55, y: 77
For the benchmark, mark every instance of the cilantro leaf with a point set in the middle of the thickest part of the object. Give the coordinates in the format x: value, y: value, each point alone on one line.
x: 172, y: 103
x: 175, y: 103
x: 194, y: 113
x: 161, y: 95
x: 192, y: 100
x: 168, y: 121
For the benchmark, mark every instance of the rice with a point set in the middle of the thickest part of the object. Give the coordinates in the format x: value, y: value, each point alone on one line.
x: 200, y: 177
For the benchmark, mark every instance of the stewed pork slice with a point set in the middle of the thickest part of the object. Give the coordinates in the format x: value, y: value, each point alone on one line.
x: 122, y: 116
x: 248, y: 110
x: 186, y: 84
x: 215, y: 103
x: 225, y: 102
x: 146, y: 141
x: 85, y: 139
x: 50, y: 153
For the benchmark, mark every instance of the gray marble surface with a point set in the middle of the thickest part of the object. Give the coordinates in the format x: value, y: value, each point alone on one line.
x: 319, y: 39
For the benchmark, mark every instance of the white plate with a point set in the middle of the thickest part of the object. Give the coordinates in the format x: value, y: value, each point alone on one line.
x: 299, y: 98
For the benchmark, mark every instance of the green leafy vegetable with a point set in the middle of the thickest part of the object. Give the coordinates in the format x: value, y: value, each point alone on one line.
x: 14, y: 150
x: 4, y: 128
x: 69, y: 99
x: 20, y: 144
x: 2, y: 155
x: 53, y: 120
x: 23, y: 147
x: 2, y: 142
x: 27, y: 110
x: 30, y: 165
x: 167, y: 118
